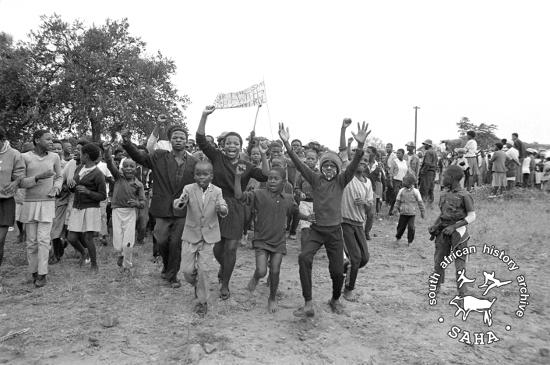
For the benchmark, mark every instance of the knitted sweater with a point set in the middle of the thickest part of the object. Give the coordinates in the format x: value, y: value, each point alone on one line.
x: 39, y: 190
x: 11, y: 167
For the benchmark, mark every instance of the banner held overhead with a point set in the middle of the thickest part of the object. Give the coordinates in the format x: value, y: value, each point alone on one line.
x: 254, y: 95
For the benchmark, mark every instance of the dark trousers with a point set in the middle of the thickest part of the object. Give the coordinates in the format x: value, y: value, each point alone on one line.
x: 443, y: 247
x: 292, y: 222
x: 168, y: 233
x: 58, y: 248
x: 405, y: 221
x: 427, y: 181
x: 3, y: 234
x: 331, y: 238
x: 395, y: 189
x: 370, y: 219
x: 142, y: 219
x: 355, y: 246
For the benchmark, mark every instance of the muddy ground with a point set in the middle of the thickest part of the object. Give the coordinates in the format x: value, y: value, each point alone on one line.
x: 113, y: 318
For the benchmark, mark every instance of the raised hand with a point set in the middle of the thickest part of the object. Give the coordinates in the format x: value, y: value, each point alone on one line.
x: 362, y: 132
x: 346, y: 123
x: 162, y: 119
x: 126, y: 135
x: 284, y: 133
x: 240, y: 169
x: 350, y: 140
x: 208, y: 110
x: 263, y: 147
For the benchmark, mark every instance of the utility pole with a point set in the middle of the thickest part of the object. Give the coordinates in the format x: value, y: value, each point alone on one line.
x: 415, y: 124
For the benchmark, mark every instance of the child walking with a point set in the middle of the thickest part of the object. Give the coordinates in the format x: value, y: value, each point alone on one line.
x: 85, y: 218
x: 327, y: 189
x: 450, y: 230
x: 407, y: 199
x: 128, y: 196
x: 204, y: 203
x: 271, y: 209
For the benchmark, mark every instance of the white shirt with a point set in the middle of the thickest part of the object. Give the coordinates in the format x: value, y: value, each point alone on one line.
x: 525, y: 167
x: 402, y: 167
x: 471, y: 148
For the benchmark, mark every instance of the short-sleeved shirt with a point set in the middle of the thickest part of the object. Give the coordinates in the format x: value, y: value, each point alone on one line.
x: 455, y: 205
x: 271, y: 212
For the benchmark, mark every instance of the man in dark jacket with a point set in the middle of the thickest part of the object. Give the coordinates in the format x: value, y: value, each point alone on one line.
x: 171, y: 171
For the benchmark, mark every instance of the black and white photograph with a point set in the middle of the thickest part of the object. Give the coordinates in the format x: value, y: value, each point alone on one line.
x: 274, y: 182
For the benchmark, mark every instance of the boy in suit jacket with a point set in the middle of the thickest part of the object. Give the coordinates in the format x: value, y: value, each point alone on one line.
x: 204, y: 203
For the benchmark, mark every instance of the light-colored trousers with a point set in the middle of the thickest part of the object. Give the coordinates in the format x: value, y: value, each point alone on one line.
x: 38, y: 246
x: 124, y: 233
x: 196, y: 258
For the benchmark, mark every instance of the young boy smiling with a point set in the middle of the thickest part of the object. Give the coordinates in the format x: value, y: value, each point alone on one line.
x: 327, y: 190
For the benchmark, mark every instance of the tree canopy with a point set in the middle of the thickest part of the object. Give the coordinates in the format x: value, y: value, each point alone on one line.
x: 79, y: 80
x: 485, y: 133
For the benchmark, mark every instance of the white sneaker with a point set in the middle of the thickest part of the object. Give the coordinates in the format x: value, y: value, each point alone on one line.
x: 11, y: 229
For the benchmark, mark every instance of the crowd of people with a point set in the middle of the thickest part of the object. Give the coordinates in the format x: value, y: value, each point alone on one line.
x: 201, y: 196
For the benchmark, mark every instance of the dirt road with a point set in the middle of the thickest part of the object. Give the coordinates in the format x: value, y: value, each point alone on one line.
x: 112, y: 318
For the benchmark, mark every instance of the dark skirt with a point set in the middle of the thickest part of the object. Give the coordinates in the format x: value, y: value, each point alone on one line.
x: 231, y: 227
x: 7, y: 212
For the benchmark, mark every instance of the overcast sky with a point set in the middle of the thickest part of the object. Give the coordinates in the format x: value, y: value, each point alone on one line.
x: 323, y: 61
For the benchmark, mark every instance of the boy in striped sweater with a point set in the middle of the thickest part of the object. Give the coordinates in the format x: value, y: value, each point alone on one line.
x: 405, y: 203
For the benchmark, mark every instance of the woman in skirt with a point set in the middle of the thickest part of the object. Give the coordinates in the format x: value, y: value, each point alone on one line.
x: 231, y: 227
x: 85, y: 218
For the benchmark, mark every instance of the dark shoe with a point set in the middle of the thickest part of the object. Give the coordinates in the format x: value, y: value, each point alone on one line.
x: 94, y: 268
x: 40, y: 281
x: 120, y: 260
x: 368, y: 237
x: 34, y: 277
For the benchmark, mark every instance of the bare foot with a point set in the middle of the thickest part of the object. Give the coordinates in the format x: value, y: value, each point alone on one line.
x: 350, y: 296
x: 305, y: 311
x: 224, y: 293
x: 336, y: 306
x: 252, y: 284
x: 272, y: 305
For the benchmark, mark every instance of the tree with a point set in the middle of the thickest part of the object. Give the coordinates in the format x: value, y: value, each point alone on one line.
x: 485, y: 133
x: 98, y: 79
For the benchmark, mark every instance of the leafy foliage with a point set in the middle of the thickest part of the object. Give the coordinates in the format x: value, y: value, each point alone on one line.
x: 77, y: 80
x: 485, y: 133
